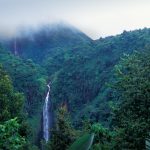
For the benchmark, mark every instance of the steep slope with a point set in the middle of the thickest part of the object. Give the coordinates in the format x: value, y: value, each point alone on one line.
x: 81, y: 82
x: 78, y: 67
x: 29, y: 79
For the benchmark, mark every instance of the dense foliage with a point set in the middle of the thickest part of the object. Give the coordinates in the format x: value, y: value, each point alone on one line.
x: 80, y: 69
x: 133, y: 95
x: 27, y: 78
x: 11, y: 101
x: 63, y: 134
x: 78, y: 66
x: 10, y: 137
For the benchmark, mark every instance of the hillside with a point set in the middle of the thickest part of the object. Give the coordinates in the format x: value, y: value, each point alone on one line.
x: 79, y: 68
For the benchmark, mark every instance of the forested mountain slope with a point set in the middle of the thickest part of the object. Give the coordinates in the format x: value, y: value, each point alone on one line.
x: 80, y: 68
x: 29, y: 79
x: 85, y: 71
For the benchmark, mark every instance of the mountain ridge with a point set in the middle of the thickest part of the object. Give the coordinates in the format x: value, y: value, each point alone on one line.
x: 30, y: 43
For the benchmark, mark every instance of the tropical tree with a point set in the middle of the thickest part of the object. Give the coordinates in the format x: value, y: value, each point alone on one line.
x: 63, y: 133
x: 132, y: 85
x: 10, y: 138
x: 10, y: 101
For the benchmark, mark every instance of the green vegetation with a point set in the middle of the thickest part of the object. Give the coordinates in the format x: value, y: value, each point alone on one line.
x: 133, y: 94
x: 99, y: 87
x: 63, y: 133
x: 29, y: 79
x: 10, y: 137
x: 83, y: 143
x: 11, y: 102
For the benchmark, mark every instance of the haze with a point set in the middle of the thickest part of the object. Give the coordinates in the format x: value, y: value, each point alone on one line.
x: 96, y: 18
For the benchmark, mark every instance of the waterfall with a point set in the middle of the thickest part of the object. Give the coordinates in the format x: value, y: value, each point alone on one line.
x: 46, y: 116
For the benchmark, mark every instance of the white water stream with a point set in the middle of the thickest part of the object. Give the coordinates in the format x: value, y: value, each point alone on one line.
x: 46, y: 116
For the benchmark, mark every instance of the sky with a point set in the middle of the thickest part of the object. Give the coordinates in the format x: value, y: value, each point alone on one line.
x: 96, y: 18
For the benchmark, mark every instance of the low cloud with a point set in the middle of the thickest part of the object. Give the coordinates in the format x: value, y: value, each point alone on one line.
x: 96, y: 18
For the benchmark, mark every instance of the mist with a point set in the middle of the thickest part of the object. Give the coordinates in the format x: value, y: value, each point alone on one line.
x: 96, y: 18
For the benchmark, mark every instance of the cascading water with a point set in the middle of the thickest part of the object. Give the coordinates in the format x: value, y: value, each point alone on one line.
x: 46, y: 116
